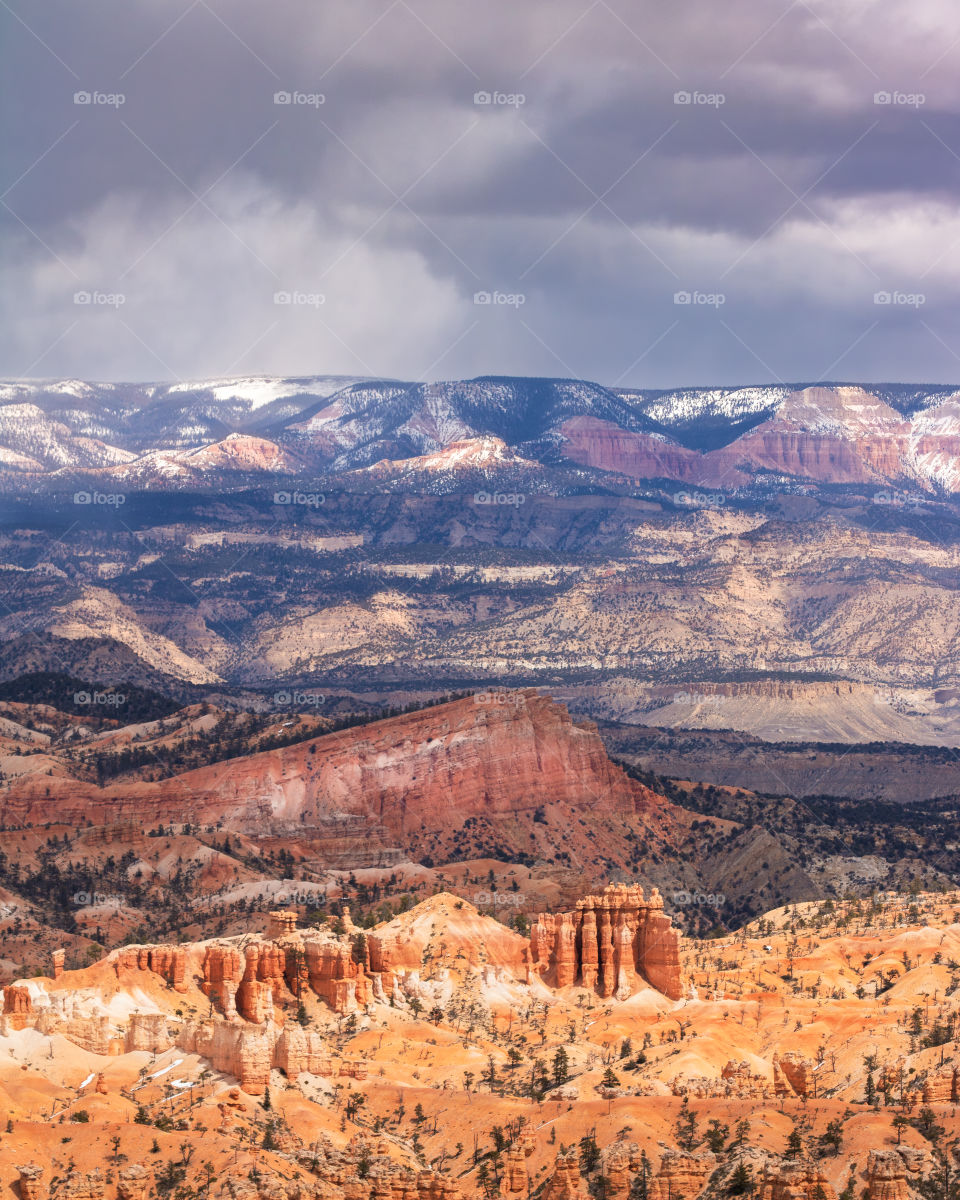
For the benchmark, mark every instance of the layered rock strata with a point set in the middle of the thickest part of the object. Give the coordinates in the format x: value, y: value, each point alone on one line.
x: 792, y: 1075
x: 893, y: 1174
x: 612, y: 944
x: 682, y: 1174
x: 793, y: 1181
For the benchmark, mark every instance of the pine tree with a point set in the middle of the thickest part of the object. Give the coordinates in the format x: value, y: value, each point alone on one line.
x: 832, y: 1137
x: 686, y: 1127
x: 589, y: 1154
x: 943, y: 1182
x: 741, y: 1181
x: 716, y: 1136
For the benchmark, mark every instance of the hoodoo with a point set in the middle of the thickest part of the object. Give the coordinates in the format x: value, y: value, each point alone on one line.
x: 613, y: 944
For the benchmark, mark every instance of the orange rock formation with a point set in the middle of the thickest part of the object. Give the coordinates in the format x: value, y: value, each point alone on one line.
x: 565, y: 1182
x: 133, y: 1183
x: 17, y: 1007
x: 31, y: 1182
x: 613, y: 944
x: 891, y: 1173
x: 736, y: 1079
x: 792, y: 1075
x: 681, y: 1174
x: 943, y: 1087
x: 169, y: 962
x: 794, y: 1181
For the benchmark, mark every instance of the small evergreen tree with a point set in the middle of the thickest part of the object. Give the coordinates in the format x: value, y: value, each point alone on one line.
x: 686, y: 1127
x: 589, y: 1154
x: 716, y: 1136
x: 741, y: 1181
x: 794, y: 1144
x: 561, y: 1066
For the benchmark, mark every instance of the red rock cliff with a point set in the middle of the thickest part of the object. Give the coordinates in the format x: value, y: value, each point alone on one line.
x: 497, y: 758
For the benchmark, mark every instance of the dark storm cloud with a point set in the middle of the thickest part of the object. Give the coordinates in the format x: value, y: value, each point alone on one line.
x: 782, y: 186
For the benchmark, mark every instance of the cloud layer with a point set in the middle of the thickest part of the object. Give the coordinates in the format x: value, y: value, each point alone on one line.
x: 791, y: 170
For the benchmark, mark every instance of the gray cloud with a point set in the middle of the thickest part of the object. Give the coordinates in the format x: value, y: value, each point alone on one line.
x: 793, y: 195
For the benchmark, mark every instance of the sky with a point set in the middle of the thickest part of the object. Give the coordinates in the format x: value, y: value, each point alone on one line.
x: 637, y: 193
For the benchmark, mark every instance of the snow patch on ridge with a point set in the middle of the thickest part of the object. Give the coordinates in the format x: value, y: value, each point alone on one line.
x: 686, y: 406
x: 259, y: 390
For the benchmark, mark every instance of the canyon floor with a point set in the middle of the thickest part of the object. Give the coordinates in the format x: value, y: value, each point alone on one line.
x: 813, y: 1053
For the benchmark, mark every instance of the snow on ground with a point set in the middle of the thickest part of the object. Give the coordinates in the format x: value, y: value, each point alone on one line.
x: 259, y: 390
x: 163, y: 1070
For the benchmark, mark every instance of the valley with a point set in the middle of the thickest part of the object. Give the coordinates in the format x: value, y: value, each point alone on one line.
x: 437, y: 1054
x: 636, y: 609
x: 493, y: 787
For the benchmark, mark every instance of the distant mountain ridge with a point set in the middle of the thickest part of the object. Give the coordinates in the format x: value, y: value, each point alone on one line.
x: 214, y: 431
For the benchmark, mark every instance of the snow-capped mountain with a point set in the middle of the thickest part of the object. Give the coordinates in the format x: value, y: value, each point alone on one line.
x: 458, y: 467
x: 703, y: 417
x: 237, y: 453
x: 257, y: 391
x: 194, y: 433
x: 140, y: 417
x: 368, y: 423
x: 30, y: 436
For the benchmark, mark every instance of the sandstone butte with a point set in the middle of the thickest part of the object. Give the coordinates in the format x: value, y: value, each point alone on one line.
x: 302, y: 1065
x: 496, y: 759
x: 834, y: 435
